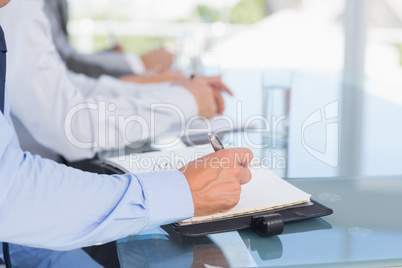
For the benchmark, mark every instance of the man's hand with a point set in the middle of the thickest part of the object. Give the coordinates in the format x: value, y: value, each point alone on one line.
x: 215, y: 180
x: 158, y: 60
x: 117, y: 48
x: 204, y: 95
x: 216, y: 83
x: 202, y: 91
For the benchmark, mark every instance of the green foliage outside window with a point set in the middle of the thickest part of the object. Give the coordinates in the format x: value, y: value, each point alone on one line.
x: 244, y: 12
x: 248, y: 12
x: 208, y: 14
x: 140, y: 44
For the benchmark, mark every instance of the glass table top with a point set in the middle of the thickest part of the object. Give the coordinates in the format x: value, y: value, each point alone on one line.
x: 314, y: 92
x: 365, y: 230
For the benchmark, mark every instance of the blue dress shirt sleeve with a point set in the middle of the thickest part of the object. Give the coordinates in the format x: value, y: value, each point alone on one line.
x: 48, y: 205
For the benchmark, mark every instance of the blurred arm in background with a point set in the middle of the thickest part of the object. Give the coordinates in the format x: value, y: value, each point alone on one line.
x: 113, y: 62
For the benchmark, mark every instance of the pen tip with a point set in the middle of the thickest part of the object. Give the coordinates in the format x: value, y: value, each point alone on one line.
x: 209, y: 135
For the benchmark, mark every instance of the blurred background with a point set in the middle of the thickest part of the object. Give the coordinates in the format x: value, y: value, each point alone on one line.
x: 350, y: 50
x: 303, y: 28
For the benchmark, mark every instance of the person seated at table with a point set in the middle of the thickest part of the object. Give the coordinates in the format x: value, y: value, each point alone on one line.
x: 152, y: 67
x: 48, y: 205
x: 77, y: 116
x: 113, y: 62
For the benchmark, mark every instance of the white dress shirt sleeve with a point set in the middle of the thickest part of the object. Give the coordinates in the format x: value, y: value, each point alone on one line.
x: 74, y: 115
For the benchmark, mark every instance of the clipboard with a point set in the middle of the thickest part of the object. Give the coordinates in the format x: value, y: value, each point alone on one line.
x: 267, y: 223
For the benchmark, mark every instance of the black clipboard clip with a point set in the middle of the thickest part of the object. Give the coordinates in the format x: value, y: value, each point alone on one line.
x: 263, y: 223
x: 267, y: 225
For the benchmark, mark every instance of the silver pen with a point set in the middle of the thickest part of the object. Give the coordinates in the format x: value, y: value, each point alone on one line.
x: 215, y: 142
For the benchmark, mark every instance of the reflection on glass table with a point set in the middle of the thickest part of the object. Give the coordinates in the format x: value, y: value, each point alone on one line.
x: 158, y: 249
x: 92, y: 257
x: 28, y: 257
x: 364, y: 231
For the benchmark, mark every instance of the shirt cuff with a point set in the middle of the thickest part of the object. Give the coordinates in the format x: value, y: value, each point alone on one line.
x: 135, y: 62
x: 169, y: 197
